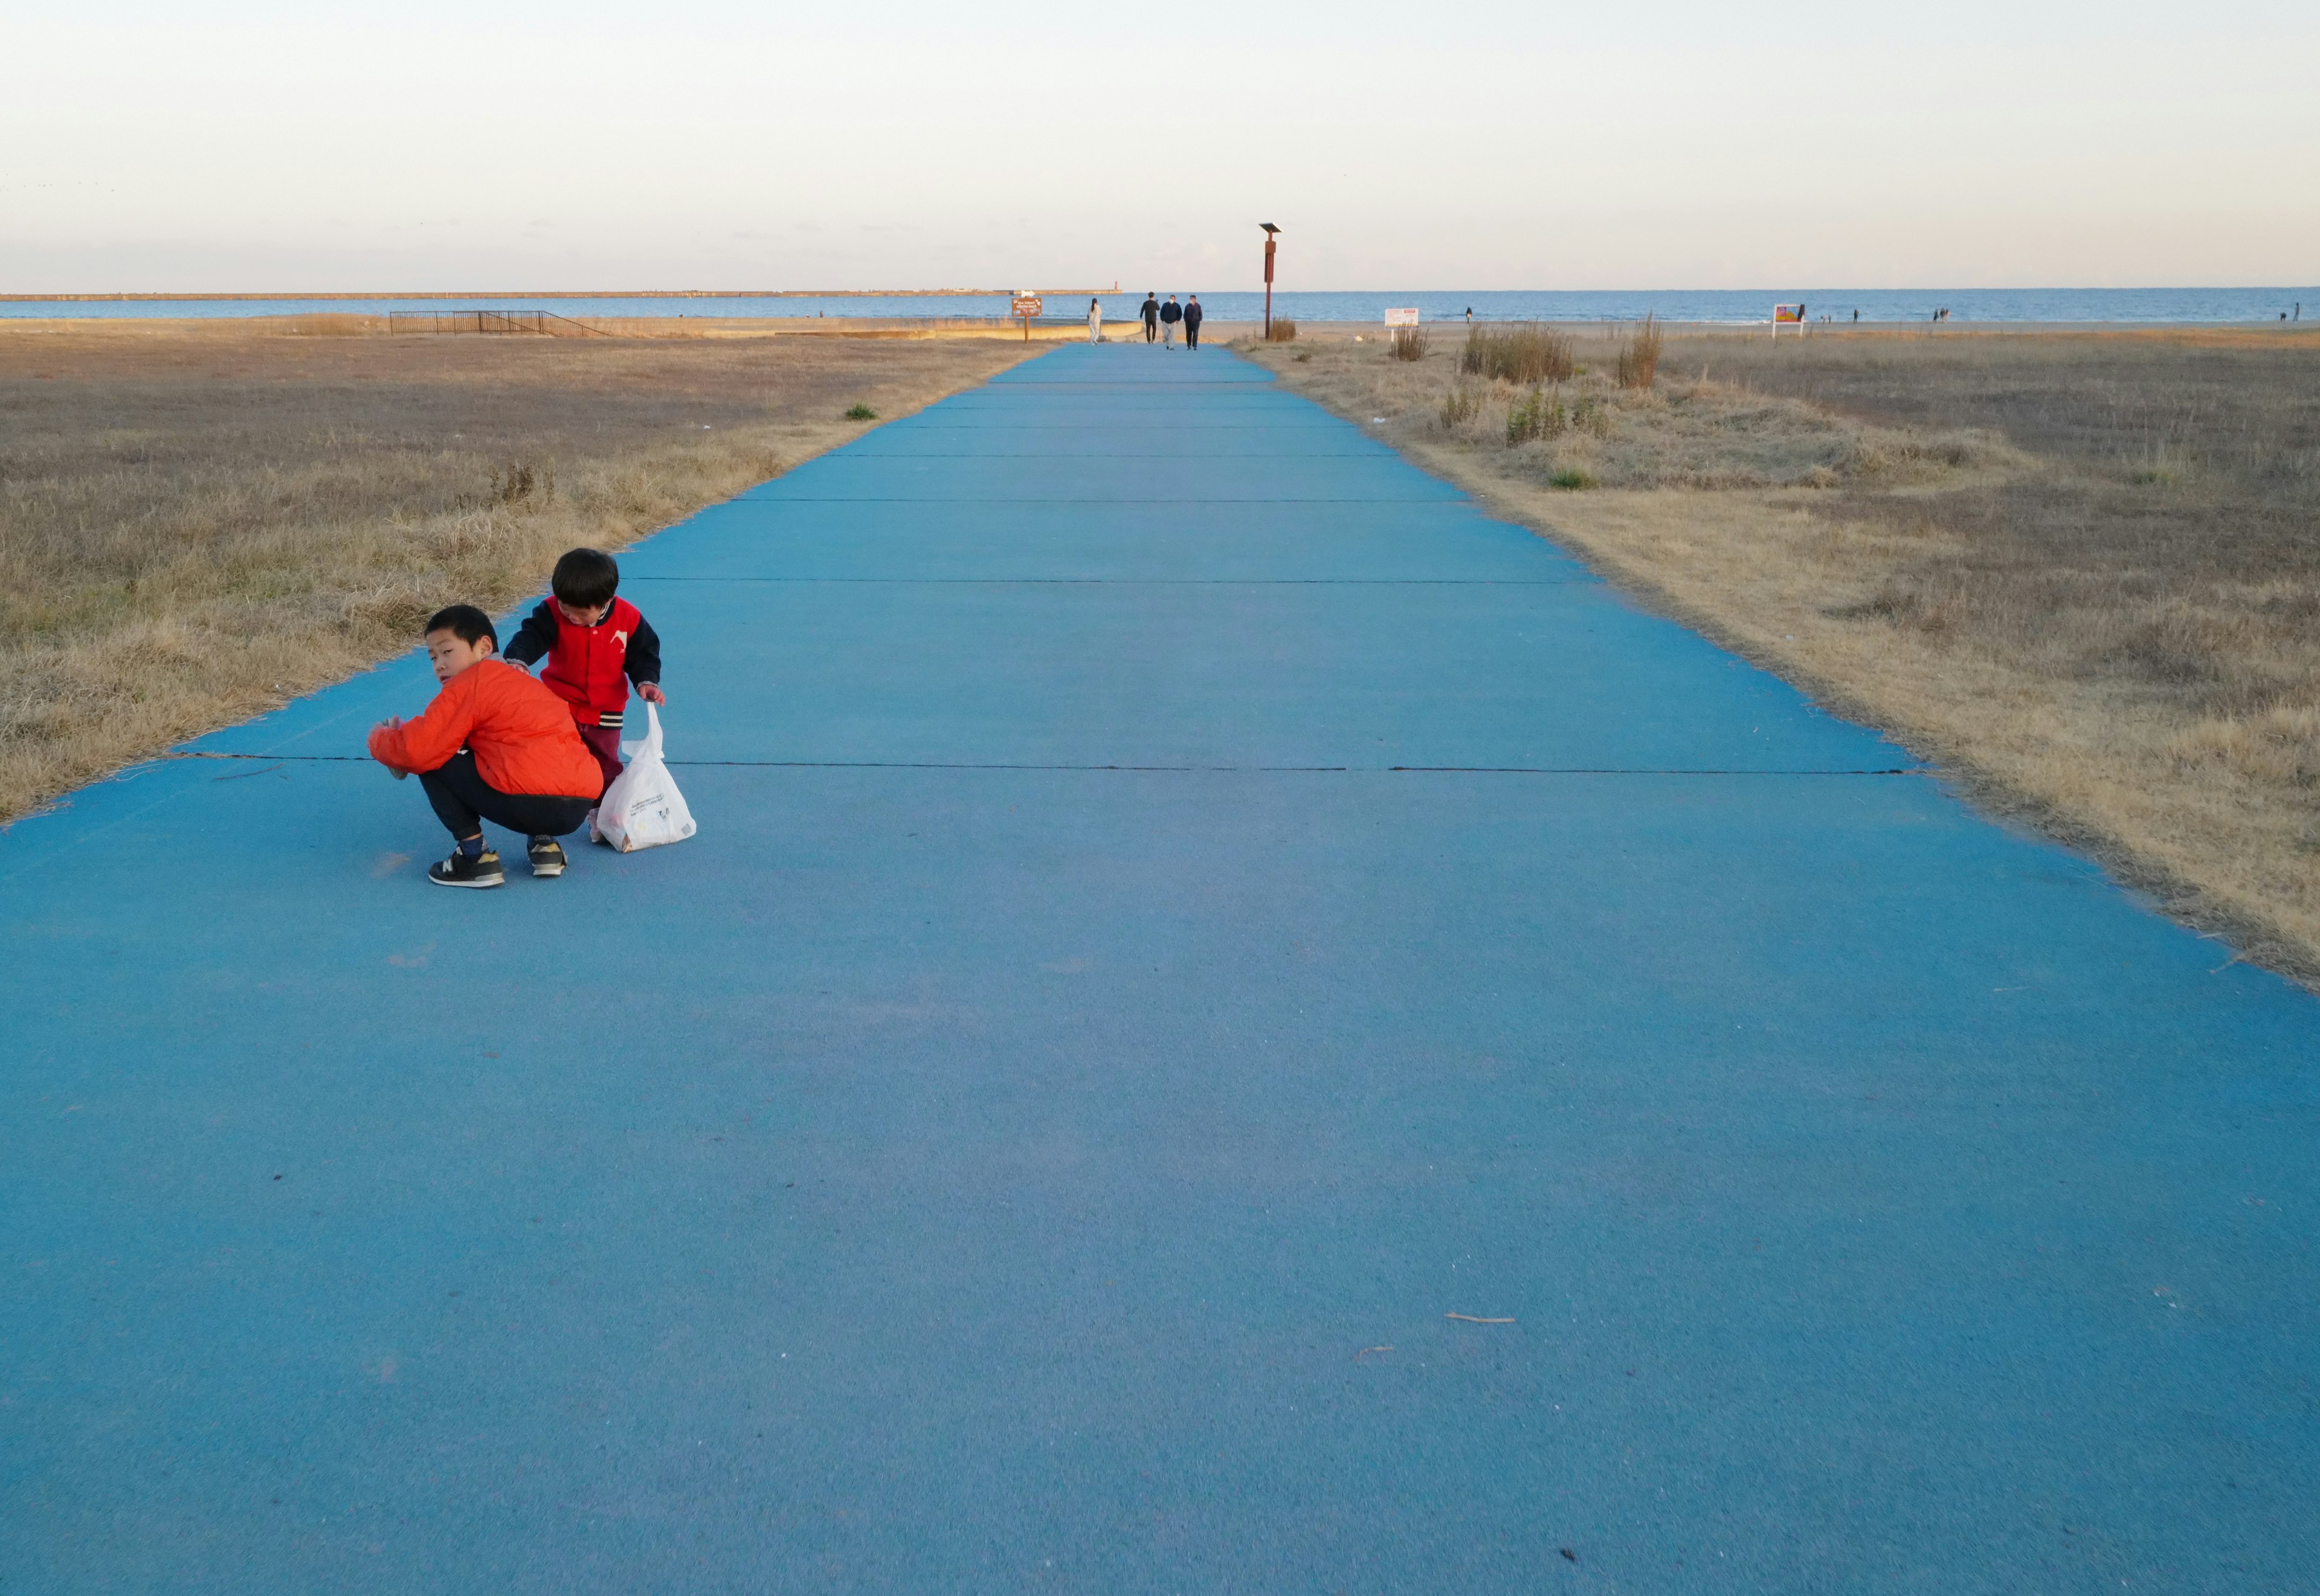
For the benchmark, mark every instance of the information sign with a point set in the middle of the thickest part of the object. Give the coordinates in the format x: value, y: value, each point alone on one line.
x: 1402, y: 318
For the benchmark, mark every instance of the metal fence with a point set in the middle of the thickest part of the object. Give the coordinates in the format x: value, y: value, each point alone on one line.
x: 538, y: 323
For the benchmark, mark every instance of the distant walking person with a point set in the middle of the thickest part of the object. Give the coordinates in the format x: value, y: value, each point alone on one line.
x: 1151, y: 317
x: 1193, y: 315
x: 1170, y: 314
x: 1095, y: 320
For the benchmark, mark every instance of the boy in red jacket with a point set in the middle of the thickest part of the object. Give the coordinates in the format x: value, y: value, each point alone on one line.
x: 596, y: 644
x: 494, y: 746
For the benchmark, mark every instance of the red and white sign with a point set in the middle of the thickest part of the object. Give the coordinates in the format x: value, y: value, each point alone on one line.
x: 1025, y: 304
x: 1402, y: 318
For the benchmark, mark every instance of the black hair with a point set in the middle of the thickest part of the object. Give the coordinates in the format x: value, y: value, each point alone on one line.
x: 586, y: 578
x: 465, y: 622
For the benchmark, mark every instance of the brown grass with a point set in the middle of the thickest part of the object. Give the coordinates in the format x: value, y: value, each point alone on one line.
x: 198, y: 522
x: 1409, y: 344
x: 2081, y: 571
x: 1526, y: 354
x: 1282, y: 330
x: 1638, y: 361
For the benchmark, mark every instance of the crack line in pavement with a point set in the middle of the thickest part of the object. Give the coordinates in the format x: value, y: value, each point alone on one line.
x: 881, y: 499
x: 1080, y: 453
x: 1150, y: 581
x: 1066, y: 425
x: 1192, y: 769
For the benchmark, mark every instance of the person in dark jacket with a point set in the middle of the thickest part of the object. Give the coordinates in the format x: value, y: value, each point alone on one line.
x: 595, y: 644
x: 1193, y: 315
x: 1151, y: 317
x: 1170, y: 314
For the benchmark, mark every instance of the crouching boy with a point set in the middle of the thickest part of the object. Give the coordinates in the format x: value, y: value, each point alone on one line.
x: 494, y: 746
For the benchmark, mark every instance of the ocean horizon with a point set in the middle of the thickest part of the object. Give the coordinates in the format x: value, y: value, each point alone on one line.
x: 1731, y: 306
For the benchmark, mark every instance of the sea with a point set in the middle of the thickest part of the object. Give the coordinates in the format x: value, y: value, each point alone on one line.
x: 1735, y: 306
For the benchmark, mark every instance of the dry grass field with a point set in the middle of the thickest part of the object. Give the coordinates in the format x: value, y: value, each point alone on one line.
x: 2081, y: 571
x: 198, y: 521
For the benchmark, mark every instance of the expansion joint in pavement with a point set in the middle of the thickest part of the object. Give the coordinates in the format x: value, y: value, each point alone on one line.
x: 276, y: 760
x: 1143, y: 581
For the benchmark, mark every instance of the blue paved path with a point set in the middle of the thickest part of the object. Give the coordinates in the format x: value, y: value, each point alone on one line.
x: 1184, y: 903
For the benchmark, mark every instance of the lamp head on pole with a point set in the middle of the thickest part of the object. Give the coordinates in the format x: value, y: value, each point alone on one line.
x: 1268, y: 227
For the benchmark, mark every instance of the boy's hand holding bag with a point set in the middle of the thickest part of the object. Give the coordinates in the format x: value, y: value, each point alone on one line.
x: 642, y: 807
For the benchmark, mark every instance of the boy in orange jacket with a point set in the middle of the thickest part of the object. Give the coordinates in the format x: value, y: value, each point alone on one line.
x: 494, y: 746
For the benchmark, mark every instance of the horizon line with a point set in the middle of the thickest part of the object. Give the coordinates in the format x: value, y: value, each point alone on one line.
x: 263, y: 296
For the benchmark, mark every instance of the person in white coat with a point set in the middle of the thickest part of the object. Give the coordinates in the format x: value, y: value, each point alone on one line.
x: 1095, y: 320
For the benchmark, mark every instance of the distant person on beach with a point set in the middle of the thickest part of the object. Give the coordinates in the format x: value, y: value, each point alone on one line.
x: 494, y: 746
x: 1151, y: 317
x: 1193, y: 315
x: 595, y: 643
x: 1170, y: 314
x: 1095, y: 320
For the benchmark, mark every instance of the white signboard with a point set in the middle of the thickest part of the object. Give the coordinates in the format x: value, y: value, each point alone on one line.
x: 1402, y: 318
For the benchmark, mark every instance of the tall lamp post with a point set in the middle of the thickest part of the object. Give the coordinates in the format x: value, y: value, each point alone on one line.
x: 1269, y: 231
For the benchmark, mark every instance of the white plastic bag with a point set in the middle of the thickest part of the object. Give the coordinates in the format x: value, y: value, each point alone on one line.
x: 642, y: 807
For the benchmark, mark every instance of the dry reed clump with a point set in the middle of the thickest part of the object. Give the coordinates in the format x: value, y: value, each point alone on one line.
x: 1526, y: 354
x: 197, y: 524
x: 1639, y: 360
x: 2079, y: 569
x: 1692, y: 434
x: 1281, y: 330
x: 1409, y: 344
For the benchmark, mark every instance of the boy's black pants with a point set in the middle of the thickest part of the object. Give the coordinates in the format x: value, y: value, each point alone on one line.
x: 462, y: 799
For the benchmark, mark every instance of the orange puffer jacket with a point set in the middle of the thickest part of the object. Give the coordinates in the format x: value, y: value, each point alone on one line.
x: 520, y: 734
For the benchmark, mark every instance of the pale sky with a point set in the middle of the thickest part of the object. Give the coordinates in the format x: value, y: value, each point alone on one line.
x: 264, y: 145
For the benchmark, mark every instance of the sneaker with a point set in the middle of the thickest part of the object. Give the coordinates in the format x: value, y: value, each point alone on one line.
x: 546, y: 857
x: 459, y: 870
